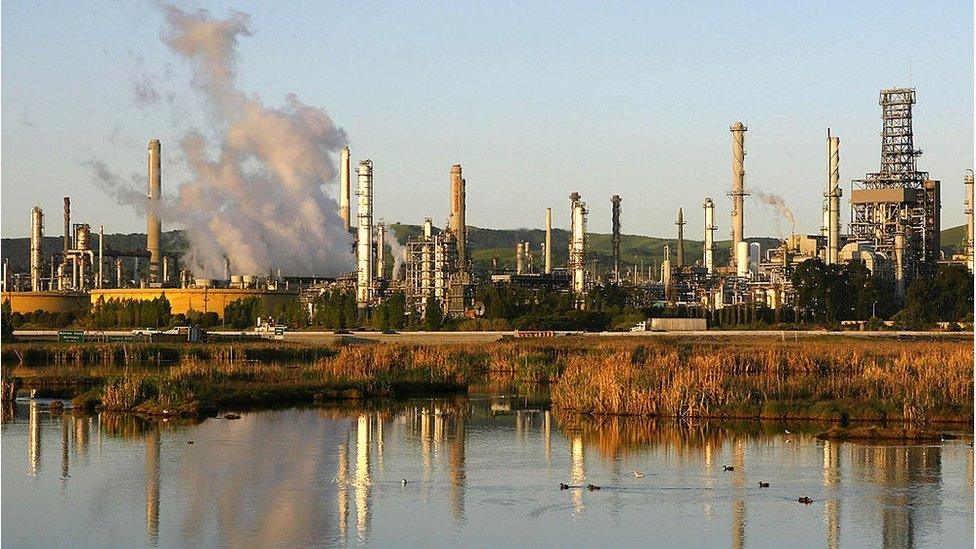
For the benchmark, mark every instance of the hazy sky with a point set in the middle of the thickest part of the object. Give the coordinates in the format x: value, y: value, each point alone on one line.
x: 536, y: 100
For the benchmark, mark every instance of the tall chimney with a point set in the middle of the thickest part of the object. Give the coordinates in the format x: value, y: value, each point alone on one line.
x: 364, y: 242
x: 969, y: 220
x: 549, y: 237
x: 519, y: 258
x: 380, y: 249
x: 458, y: 226
x: 67, y: 227
x: 154, y: 228
x: 833, y: 198
x: 36, y: 236
x: 709, y: 247
x: 344, y: 187
x: 738, y: 193
x: 615, y: 238
x: 681, y: 238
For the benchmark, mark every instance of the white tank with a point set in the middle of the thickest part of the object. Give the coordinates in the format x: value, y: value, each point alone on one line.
x: 742, y: 259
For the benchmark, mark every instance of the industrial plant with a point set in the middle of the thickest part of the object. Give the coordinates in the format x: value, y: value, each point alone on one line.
x: 894, y: 231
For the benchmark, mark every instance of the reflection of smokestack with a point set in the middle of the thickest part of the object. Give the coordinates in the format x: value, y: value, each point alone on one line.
x: 833, y: 198
x: 969, y: 220
x: 344, y: 187
x: 709, y: 247
x: 738, y: 183
x: 154, y: 229
x: 549, y: 238
x: 615, y: 238
x: 37, y: 234
x: 364, y: 249
x: 681, y: 238
x: 458, y: 226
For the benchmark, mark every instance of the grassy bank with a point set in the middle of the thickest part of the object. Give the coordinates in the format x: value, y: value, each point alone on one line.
x: 43, y: 353
x: 870, y: 380
x: 817, y: 378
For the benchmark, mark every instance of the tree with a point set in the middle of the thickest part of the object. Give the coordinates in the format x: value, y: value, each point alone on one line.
x: 435, y: 316
x: 7, y: 331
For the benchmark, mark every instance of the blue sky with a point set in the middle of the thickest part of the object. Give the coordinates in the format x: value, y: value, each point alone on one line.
x: 536, y: 100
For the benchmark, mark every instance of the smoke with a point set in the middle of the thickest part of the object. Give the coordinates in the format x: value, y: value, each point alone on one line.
x: 398, y: 252
x: 775, y: 201
x: 256, y: 192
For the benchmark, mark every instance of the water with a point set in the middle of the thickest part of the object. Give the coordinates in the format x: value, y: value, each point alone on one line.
x: 480, y: 472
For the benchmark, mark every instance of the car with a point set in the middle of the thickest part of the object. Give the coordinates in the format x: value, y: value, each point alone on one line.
x: 342, y: 332
x: 390, y: 332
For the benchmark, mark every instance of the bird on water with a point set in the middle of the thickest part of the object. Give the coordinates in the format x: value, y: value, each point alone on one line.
x: 638, y: 474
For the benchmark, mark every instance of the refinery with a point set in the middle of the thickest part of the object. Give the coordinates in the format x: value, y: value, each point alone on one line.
x: 894, y: 231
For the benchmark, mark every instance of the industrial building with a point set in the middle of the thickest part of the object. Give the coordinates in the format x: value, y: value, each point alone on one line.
x: 894, y: 231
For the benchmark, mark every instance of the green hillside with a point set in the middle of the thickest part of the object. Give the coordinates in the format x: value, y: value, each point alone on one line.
x: 484, y: 244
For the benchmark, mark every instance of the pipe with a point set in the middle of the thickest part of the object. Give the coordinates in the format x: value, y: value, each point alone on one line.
x: 380, y: 249
x: 165, y: 269
x: 900, y: 264
x: 101, y: 254
x: 458, y: 224
x: 681, y: 238
x: 154, y: 227
x: 549, y: 240
x: 709, y: 247
x: 344, y: 187
x: 364, y: 243
x: 6, y: 275
x: 37, y: 236
x: 67, y: 227
x: 738, y: 193
x: 833, y: 198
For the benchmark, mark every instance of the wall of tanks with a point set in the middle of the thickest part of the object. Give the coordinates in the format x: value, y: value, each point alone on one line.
x: 894, y: 230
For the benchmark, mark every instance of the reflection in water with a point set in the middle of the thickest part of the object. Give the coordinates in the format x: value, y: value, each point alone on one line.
x: 33, y: 440
x: 152, y: 486
x: 235, y: 486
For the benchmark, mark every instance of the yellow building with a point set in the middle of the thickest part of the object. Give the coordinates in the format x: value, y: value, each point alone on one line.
x: 49, y: 302
x: 204, y: 300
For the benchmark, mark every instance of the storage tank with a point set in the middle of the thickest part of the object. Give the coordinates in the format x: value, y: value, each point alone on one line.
x: 754, y: 255
x: 742, y: 259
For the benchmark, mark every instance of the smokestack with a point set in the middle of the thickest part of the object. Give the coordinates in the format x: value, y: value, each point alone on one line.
x: 615, y: 238
x: 380, y: 249
x: 681, y: 238
x: 428, y: 227
x: 833, y: 198
x: 969, y: 221
x: 67, y: 227
x: 738, y: 193
x: 101, y: 254
x: 458, y: 226
x: 154, y: 228
x: 709, y: 247
x: 549, y: 237
x: 519, y: 258
x: 344, y: 187
x: 364, y: 244
x: 577, y: 244
x: 742, y: 259
x: 900, y: 263
x: 36, y: 236
x: 118, y: 272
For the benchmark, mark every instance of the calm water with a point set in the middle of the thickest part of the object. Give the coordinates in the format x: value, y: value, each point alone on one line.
x: 483, y: 471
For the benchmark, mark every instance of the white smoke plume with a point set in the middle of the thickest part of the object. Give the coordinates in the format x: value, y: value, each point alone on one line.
x: 398, y: 251
x: 775, y: 201
x: 256, y: 192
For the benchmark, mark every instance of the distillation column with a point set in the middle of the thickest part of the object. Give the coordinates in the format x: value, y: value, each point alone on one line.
x: 833, y: 198
x: 709, y: 247
x: 380, y: 249
x: 37, y: 235
x: 344, y: 187
x: 577, y: 244
x: 969, y: 221
x: 364, y: 242
x: 738, y: 193
x: 154, y: 228
x: 458, y: 226
x: 615, y: 238
x: 549, y: 236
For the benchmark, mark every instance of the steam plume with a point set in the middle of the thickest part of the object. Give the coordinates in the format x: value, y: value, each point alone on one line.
x: 777, y: 202
x: 256, y: 192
